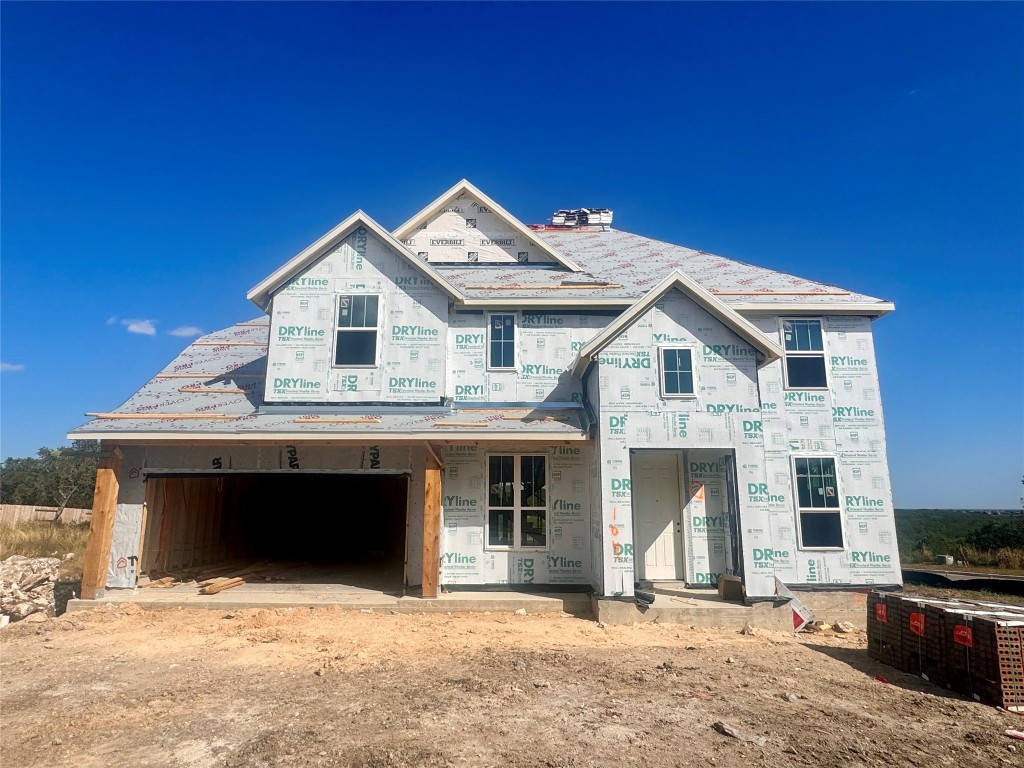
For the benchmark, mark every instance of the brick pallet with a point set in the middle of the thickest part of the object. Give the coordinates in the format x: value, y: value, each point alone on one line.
x: 975, y: 648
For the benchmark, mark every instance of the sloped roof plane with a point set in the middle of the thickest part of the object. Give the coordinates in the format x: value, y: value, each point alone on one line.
x: 704, y: 298
x: 260, y: 294
x: 465, y: 187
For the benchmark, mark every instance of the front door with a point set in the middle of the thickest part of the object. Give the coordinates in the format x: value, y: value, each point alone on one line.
x: 656, y: 514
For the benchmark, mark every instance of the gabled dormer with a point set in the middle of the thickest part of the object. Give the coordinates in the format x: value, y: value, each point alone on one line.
x: 465, y: 226
x: 356, y: 318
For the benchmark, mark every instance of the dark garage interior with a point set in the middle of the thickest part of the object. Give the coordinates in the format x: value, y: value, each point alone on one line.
x: 310, y: 527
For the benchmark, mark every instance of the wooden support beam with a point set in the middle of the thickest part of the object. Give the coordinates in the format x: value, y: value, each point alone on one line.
x: 223, y: 374
x: 757, y: 292
x: 431, y: 526
x: 101, y: 530
x: 200, y: 390
x: 461, y: 424
x: 230, y: 343
x: 163, y: 416
x: 567, y: 287
x: 337, y: 419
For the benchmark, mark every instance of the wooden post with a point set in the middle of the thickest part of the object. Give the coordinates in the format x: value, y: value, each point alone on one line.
x: 101, y: 530
x: 431, y: 525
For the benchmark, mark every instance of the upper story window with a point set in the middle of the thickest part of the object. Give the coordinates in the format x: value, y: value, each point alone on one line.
x: 676, y: 372
x: 805, y: 354
x: 356, y: 332
x: 818, y: 515
x: 501, y: 332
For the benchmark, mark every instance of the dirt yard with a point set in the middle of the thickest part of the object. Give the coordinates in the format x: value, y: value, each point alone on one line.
x: 324, y: 687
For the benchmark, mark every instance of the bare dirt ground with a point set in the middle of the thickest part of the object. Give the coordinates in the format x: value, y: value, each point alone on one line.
x: 325, y: 687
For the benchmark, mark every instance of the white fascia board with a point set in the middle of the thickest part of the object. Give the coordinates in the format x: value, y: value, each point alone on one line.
x: 711, y: 303
x: 128, y: 438
x: 404, y: 231
x: 261, y: 292
x: 875, y: 308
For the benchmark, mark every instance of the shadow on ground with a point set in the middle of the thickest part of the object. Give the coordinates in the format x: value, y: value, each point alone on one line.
x: 857, y: 658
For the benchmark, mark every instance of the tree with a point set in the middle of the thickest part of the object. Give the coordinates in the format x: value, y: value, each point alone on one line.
x: 55, y: 477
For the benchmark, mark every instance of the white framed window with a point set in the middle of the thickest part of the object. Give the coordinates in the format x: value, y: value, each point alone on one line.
x: 501, y: 342
x: 805, y: 353
x: 356, y: 330
x: 517, y: 501
x: 676, y: 372
x: 819, y: 514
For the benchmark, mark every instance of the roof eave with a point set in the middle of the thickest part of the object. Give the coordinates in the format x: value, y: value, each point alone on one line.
x: 128, y: 438
x: 704, y: 298
x: 262, y: 293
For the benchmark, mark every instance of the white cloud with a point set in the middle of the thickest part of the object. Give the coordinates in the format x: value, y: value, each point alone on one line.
x: 112, y: 319
x: 186, y: 331
x: 11, y: 367
x: 145, y: 327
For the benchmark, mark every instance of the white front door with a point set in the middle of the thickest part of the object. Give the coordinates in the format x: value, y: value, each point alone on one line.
x: 656, y: 514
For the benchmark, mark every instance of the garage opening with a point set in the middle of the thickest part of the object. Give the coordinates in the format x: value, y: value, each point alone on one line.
x: 341, y: 529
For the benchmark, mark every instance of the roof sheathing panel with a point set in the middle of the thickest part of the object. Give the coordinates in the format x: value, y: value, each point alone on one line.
x: 639, y: 263
x: 220, y: 377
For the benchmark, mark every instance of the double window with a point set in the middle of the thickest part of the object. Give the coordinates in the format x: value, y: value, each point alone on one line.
x: 501, y: 342
x: 818, y: 512
x: 805, y: 354
x: 517, y: 502
x: 356, y: 331
x: 676, y: 372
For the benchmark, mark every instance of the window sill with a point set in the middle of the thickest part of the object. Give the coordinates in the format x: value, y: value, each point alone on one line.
x: 361, y: 367
x: 503, y: 370
x: 679, y: 397
x: 806, y: 389
x: 821, y: 549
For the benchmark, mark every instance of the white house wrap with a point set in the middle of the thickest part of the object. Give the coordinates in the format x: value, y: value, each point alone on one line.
x: 603, y: 410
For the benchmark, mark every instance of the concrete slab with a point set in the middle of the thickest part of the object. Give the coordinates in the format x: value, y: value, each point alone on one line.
x: 342, y: 596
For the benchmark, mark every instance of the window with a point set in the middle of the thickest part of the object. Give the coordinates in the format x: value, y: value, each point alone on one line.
x: 517, y: 507
x: 356, y: 342
x: 817, y: 493
x: 805, y: 354
x: 502, y: 332
x: 676, y: 372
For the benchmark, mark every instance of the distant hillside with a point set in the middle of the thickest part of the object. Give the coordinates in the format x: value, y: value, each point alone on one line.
x: 985, y: 537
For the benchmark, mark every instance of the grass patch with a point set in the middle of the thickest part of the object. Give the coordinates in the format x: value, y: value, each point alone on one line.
x: 42, y: 538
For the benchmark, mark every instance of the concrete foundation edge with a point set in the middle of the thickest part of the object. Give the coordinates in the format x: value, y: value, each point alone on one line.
x: 850, y: 606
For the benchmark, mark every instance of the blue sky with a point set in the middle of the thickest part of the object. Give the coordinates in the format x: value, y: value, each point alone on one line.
x: 160, y: 159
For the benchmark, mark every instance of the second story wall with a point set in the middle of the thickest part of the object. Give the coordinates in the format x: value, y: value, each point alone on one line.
x: 543, y: 347
x: 359, y: 325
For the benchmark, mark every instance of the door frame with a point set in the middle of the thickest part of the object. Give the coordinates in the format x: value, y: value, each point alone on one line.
x: 680, y: 540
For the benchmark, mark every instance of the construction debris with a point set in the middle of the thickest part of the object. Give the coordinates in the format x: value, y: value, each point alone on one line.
x: 26, y: 585
x: 730, y: 730
x: 213, y: 579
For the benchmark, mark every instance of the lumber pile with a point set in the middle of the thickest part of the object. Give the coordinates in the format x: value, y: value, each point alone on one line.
x: 214, y: 579
x: 26, y: 585
x: 972, y: 647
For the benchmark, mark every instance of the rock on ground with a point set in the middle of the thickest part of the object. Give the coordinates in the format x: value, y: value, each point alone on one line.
x: 26, y: 585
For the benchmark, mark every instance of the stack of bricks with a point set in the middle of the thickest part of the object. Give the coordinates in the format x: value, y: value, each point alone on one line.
x: 974, y: 648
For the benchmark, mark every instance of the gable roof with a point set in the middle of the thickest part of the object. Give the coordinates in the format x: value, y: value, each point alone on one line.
x: 260, y: 294
x: 464, y: 187
x: 704, y: 298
